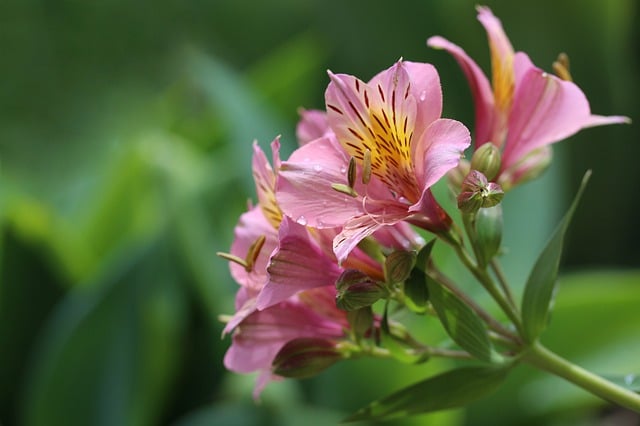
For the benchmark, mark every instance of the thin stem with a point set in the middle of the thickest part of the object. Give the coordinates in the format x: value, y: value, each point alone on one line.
x: 544, y: 359
x: 447, y: 353
x: 502, y: 281
x: 486, y: 281
x: 491, y: 321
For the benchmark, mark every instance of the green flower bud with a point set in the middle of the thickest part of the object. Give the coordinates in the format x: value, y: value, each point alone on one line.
x: 360, y: 320
x: 487, y: 160
x: 488, y: 226
x: 357, y: 290
x: 398, y: 266
x: 477, y: 192
x: 305, y: 357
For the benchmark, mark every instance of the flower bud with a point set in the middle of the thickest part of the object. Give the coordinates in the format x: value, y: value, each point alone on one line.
x: 360, y: 320
x: 398, y: 266
x: 477, y: 192
x: 529, y: 168
x: 357, y: 290
x: 488, y: 226
x: 487, y: 160
x: 305, y: 357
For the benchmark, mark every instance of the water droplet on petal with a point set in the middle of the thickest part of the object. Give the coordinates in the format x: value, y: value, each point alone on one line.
x: 423, y: 95
x: 317, y: 167
x: 302, y: 220
x: 343, y: 170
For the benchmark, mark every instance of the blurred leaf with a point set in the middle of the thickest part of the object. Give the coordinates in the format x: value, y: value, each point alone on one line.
x: 538, y: 293
x: 451, y: 389
x: 461, y: 323
x: 602, y: 302
x: 284, y: 76
x: 29, y: 289
x: 108, y: 351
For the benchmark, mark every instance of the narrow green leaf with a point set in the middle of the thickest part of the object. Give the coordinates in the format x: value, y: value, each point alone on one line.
x: 461, y: 323
x: 455, y: 388
x: 540, y: 287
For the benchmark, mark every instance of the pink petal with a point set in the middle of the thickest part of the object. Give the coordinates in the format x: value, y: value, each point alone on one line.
x: 426, y: 88
x: 500, y: 44
x: 480, y: 88
x: 304, y: 189
x: 297, y: 264
x: 359, y: 227
x: 545, y: 110
x: 312, y: 125
x: 263, y: 333
x: 439, y: 150
x: 250, y: 227
x: 245, y: 306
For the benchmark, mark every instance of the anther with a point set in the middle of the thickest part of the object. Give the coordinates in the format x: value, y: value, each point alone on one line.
x: 366, y: 167
x: 561, y: 67
x: 351, y: 173
x: 344, y: 189
x: 254, y: 252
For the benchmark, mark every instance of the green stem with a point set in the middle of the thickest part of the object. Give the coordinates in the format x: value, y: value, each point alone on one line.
x: 502, y: 280
x: 493, y: 323
x: 487, y: 282
x: 544, y: 359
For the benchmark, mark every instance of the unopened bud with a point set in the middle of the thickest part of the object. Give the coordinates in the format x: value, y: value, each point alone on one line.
x: 398, y: 266
x: 357, y: 290
x: 305, y: 357
x: 487, y: 160
x: 360, y: 320
x: 529, y: 168
x: 477, y: 192
x: 456, y: 175
x: 488, y: 226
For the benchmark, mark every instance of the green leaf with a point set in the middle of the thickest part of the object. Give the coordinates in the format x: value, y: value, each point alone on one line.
x: 109, y: 351
x: 451, y: 389
x: 398, y: 349
x: 461, y: 323
x: 540, y: 287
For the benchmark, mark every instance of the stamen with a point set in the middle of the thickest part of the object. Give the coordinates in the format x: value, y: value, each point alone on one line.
x: 561, y: 67
x: 344, y: 189
x: 235, y: 259
x: 254, y: 252
x: 366, y: 167
x: 351, y: 173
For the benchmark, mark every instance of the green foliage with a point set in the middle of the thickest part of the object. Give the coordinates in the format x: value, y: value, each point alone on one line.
x: 452, y: 389
x: 125, y: 148
x: 539, y: 291
x: 462, y: 324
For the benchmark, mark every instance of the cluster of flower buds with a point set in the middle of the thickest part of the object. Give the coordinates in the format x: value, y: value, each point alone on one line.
x: 339, y: 226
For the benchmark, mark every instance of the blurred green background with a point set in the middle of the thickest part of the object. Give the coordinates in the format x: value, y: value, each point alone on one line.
x: 125, y: 135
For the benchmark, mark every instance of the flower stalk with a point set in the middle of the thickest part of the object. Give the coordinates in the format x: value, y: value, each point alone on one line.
x: 544, y: 359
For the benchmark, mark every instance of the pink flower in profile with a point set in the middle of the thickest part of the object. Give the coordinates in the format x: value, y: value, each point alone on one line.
x: 524, y: 109
x: 389, y: 134
x: 262, y: 334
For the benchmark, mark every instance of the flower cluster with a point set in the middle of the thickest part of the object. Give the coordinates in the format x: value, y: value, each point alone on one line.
x: 341, y: 223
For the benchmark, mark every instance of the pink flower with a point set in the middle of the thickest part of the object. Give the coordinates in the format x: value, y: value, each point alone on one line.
x: 392, y: 129
x: 262, y: 334
x: 524, y: 109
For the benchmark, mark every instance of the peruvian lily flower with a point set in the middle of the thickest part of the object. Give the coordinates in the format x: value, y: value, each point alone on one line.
x: 387, y: 147
x: 524, y: 109
x: 262, y: 334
